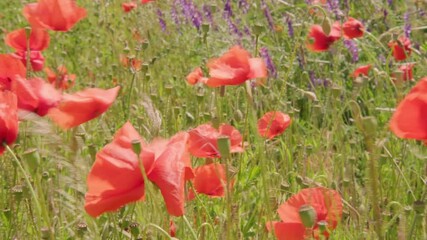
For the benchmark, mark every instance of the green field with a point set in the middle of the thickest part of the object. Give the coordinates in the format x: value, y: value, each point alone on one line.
x: 339, y: 137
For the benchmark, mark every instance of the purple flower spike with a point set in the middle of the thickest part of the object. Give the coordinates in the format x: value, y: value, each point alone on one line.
x: 353, y: 49
x: 267, y: 14
x: 408, y: 28
x: 269, y: 62
x: 161, y: 20
x: 244, y: 6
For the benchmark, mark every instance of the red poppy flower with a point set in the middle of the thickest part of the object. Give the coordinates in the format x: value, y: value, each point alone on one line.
x: 401, y: 48
x: 196, y: 76
x: 56, y: 15
x: 146, y: 1
x: 318, y: 41
x: 273, y: 124
x: 116, y: 178
x: 409, y: 120
x: 75, y: 109
x: 61, y: 79
x: 406, y: 70
x: 353, y: 28
x: 35, y: 95
x: 234, y: 68
x: 8, y: 118
x: 362, y: 70
x: 36, y: 59
x: 129, y: 6
x: 203, y: 140
x: 10, y: 67
x: 130, y: 62
x: 326, y: 203
x: 210, y: 180
x: 38, y: 41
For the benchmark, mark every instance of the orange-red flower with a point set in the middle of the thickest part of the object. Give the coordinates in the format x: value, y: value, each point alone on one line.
x: 146, y: 1
x: 196, y: 76
x: 10, y: 67
x: 128, y: 6
x: 401, y: 48
x: 234, y: 68
x: 406, y: 70
x: 36, y: 59
x: 116, y: 178
x: 75, y: 109
x: 353, y: 28
x: 318, y: 41
x: 61, y: 79
x: 56, y: 15
x: 326, y: 203
x: 409, y: 120
x: 362, y: 70
x: 35, y: 95
x: 38, y: 41
x: 273, y: 124
x: 210, y: 180
x: 8, y: 119
x: 203, y: 140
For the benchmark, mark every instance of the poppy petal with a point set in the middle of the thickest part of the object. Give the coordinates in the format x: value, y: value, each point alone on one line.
x: 8, y: 118
x: 82, y: 106
x: 39, y: 39
x: 169, y: 173
x: 409, y: 119
x: 258, y: 69
x: 326, y: 202
x: 115, y: 178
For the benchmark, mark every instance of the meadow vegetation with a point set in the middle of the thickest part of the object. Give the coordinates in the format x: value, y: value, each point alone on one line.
x: 337, y: 136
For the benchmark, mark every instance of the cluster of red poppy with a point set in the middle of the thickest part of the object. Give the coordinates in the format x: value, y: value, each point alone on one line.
x: 129, y: 6
x: 45, y: 98
x: 320, y: 38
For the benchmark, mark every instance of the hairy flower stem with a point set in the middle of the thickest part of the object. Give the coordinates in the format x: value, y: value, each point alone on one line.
x: 41, y: 211
x: 373, y: 183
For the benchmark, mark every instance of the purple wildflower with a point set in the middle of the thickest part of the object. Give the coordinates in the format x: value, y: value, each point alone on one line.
x: 407, y: 28
x: 290, y: 26
x: 244, y: 6
x: 352, y: 48
x: 208, y: 14
x: 196, y: 18
x: 334, y: 7
x: 390, y: 2
x: 267, y: 14
x: 314, y: 82
x: 228, y: 12
x: 174, y: 15
x: 269, y: 62
x: 161, y: 20
x: 233, y: 27
x: 247, y: 30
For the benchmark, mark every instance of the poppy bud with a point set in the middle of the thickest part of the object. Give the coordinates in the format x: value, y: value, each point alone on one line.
x: 369, y: 125
x: 205, y: 28
x: 134, y: 229
x: 224, y: 146
x: 308, y: 215
x: 326, y: 26
x: 136, y: 146
x: 45, y: 231
x: 257, y: 29
x: 32, y: 158
x: 81, y: 229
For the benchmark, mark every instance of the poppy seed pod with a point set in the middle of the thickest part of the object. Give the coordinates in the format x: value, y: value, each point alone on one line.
x: 307, y: 215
